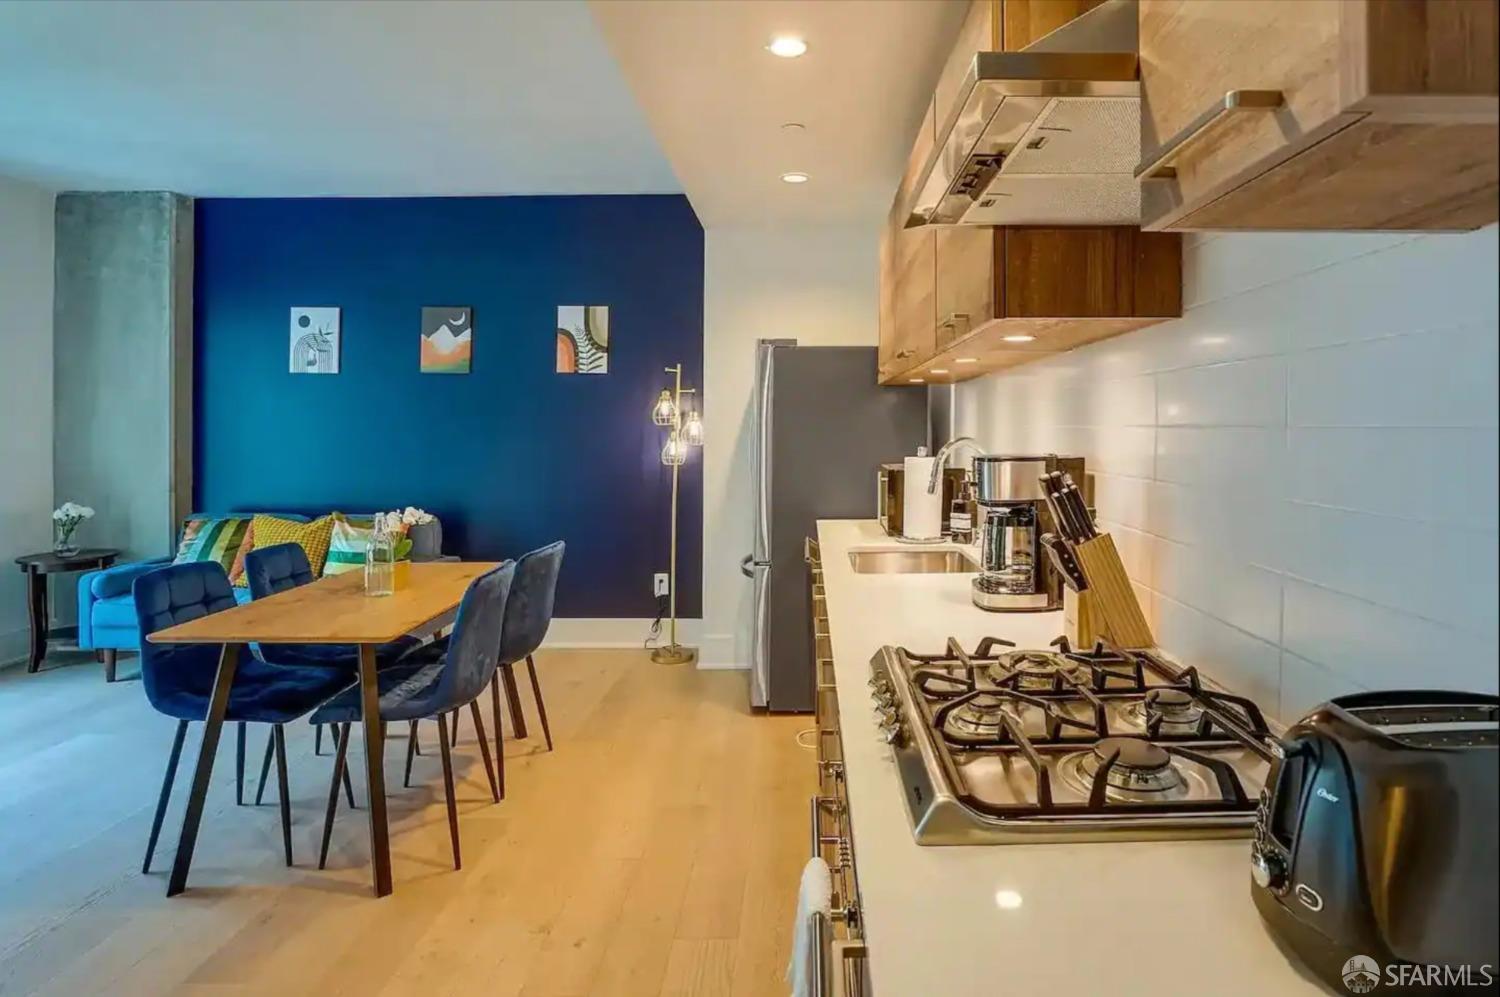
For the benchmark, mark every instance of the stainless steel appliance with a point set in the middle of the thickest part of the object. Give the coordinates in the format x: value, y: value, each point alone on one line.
x: 1376, y: 835
x: 821, y: 426
x: 1050, y: 135
x: 1013, y: 515
x: 1003, y: 746
x: 891, y: 485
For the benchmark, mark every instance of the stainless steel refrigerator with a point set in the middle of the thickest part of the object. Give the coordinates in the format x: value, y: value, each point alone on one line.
x: 822, y: 428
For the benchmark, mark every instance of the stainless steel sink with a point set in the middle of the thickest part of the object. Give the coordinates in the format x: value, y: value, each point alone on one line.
x: 910, y: 562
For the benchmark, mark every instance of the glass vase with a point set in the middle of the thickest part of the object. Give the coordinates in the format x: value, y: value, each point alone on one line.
x: 64, y: 543
x: 380, y: 564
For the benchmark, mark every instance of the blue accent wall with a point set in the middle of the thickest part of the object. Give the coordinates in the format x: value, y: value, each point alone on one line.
x: 512, y: 455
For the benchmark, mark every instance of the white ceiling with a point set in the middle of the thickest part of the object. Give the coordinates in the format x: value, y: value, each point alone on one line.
x: 297, y: 99
x: 717, y: 100
x: 270, y: 98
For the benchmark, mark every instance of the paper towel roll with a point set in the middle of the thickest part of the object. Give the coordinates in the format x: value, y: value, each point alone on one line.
x: 921, y: 513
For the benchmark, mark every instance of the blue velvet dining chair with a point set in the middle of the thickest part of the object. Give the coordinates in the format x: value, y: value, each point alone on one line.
x: 179, y: 678
x: 528, y: 615
x: 432, y: 685
x: 269, y: 570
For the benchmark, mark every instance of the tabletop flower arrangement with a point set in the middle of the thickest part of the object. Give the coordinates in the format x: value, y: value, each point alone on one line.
x: 66, y: 519
x: 388, y: 562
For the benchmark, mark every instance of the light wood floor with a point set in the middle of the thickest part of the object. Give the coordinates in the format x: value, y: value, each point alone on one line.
x: 656, y: 851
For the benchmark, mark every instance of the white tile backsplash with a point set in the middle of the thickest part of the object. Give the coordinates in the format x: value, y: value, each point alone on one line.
x: 1302, y: 473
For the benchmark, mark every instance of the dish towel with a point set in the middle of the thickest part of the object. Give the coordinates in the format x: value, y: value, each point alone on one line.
x: 816, y: 894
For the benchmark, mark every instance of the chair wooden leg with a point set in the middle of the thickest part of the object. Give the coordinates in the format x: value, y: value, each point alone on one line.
x: 265, y: 768
x: 541, y: 709
x: 166, y: 793
x: 453, y: 721
x: 278, y: 734
x: 499, y: 731
x: 317, y: 739
x: 239, y: 764
x: 445, y: 745
x: 484, y: 748
x: 348, y: 783
x: 416, y: 741
x: 513, y: 697
x: 340, y: 770
x: 411, y: 752
x: 110, y: 658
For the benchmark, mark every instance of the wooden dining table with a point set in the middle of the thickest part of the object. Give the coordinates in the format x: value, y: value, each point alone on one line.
x: 332, y: 610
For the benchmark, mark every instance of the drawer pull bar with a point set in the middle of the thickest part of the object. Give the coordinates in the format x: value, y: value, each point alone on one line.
x: 1235, y: 101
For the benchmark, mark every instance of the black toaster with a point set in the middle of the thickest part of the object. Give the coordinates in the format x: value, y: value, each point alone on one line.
x: 1376, y: 841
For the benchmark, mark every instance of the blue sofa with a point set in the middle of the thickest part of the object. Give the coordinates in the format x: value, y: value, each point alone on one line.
x: 106, y: 610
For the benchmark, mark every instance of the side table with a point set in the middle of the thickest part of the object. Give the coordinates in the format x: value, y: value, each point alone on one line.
x: 37, y: 567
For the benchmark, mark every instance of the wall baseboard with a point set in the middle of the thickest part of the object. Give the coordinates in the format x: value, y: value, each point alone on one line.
x: 715, y: 651
x: 14, y: 646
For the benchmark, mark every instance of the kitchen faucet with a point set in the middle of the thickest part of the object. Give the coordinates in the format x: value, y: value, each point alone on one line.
x: 942, y: 457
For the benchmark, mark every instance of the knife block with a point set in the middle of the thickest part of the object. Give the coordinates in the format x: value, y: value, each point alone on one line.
x: 1081, y: 622
x: 1114, y: 598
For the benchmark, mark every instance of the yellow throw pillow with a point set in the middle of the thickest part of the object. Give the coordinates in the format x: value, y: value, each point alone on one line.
x: 312, y: 537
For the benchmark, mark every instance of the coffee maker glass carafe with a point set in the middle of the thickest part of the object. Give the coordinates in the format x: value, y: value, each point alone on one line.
x: 1008, y: 549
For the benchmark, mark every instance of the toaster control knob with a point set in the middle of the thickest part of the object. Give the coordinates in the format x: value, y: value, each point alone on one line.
x: 1268, y: 870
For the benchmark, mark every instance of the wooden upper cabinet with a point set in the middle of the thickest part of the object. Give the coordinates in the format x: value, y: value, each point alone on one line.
x: 1346, y: 115
x: 1004, y: 296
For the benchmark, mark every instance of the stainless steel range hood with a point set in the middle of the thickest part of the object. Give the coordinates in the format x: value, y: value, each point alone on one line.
x: 1049, y: 135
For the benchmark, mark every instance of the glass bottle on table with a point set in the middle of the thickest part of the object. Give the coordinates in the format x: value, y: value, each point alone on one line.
x: 380, y: 560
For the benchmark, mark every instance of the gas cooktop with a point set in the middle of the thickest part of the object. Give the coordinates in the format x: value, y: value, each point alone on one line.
x: 999, y: 745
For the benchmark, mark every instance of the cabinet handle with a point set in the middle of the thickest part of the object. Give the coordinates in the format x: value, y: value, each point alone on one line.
x: 1234, y: 101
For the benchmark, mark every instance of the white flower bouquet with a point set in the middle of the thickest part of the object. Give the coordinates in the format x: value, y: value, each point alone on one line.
x: 65, y: 522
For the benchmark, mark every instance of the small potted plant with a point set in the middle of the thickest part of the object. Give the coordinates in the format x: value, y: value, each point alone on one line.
x: 66, y: 519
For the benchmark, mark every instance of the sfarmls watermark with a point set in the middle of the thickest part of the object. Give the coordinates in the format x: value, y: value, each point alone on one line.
x: 1362, y: 975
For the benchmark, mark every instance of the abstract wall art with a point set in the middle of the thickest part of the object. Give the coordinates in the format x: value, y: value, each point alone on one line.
x: 314, y: 341
x: 447, y: 340
x: 583, y: 339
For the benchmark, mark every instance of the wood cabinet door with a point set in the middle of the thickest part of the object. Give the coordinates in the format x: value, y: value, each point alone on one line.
x: 915, y: 337
x: 1193, y: 53
x: 887, y: 290
x: 1027, y: 20
x: 966, y: 286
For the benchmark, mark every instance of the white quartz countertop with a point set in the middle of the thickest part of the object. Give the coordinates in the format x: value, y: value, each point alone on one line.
x: 1159, y: 918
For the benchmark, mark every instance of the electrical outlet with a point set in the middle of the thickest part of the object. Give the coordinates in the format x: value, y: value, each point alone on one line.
x: 661, y: 583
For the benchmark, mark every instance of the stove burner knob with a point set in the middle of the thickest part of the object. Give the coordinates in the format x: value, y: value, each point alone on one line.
x: 1268, y: 870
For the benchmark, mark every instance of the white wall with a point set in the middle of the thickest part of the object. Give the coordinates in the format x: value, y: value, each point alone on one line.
x: 26, y: 389
x: 1301, y: 471
x: 815, y: 285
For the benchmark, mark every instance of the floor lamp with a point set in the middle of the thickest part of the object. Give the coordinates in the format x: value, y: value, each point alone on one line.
x: 686, y: 431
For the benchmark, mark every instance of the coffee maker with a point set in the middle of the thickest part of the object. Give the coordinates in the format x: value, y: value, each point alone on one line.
x: 1012, y: 515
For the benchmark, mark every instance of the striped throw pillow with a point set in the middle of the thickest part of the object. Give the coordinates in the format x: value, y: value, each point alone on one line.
x: 312, y: 537
x: 212, y: 540
x: 348, y: 544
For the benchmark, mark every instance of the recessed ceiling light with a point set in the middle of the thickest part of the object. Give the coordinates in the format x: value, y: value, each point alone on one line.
x: 916, y: 380
x: 1008, y: 900
x: 937, y: 370
x: 787, y: 46
x: 1019, y: 338
x: 794, y: 127
x: 966, y: 360
x: 795, y: 177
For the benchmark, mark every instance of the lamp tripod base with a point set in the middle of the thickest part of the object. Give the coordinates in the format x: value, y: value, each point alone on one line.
x: 674, y: 654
